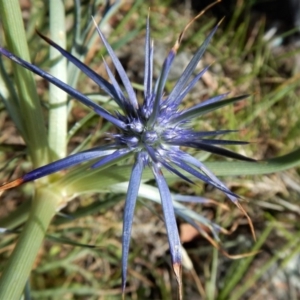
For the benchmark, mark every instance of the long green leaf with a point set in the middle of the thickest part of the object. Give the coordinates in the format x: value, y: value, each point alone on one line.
x: 29, y: 108
x: 82, y: 180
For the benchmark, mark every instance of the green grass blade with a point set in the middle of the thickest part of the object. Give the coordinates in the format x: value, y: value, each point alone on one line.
x: 29, y: 107
x: 82, y: 179
x: 241, y: 266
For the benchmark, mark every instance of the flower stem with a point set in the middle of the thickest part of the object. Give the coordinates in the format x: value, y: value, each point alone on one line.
x: 57, y: 97
x: 19, y: 265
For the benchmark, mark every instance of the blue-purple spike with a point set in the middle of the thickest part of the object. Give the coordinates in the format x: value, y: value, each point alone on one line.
x: 59, y: 165
x: 190, y: 86
x: 133, y: 188
x: 114, y: 157
x: 181, y: 164
x: 120, y: 99
x: 159, y: 88
x: 173, y: 170
x: 206, y: 107
x: 213, y: 149
x: 65, y: 87
x: 103, y: 84
x: 222, y: 142
x: 130, y: 92
x: 170, y: 221
x: 181, y: 83
x: 148, y: 63
x: 193, y: 161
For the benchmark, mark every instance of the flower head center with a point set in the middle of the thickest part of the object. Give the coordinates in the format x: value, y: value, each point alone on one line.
x: 150, y: 137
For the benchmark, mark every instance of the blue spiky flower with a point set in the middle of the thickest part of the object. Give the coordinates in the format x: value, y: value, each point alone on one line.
x: 152, y: 130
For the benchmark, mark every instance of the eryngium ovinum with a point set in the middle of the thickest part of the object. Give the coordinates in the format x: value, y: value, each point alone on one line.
x: 153, y: 130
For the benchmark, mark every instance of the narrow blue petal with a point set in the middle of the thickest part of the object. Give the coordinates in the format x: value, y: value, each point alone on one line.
x: 181, y: 164
x: 174, y: 134
x: 222, y: 142
x: 213, y: 149
x: 206, y: 107
x: 173, y: 170
x: 67, y: 162
x: 131, y: 196
x: 68, y: 89
x: 148, y: 63
x: 116, y: 156
x: 120, y: 99
x: 201, y: 134
x: 120, y: 69
x: 193, y: 161
x: 182, y: 81
x: 104, y: 84
x: 212, y: 100
x: 151, y: 67
x: 170, y: 220
x: 151, y: 153
x: 159, y: 87
x: 187, y: 136
x: 189, y: 87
